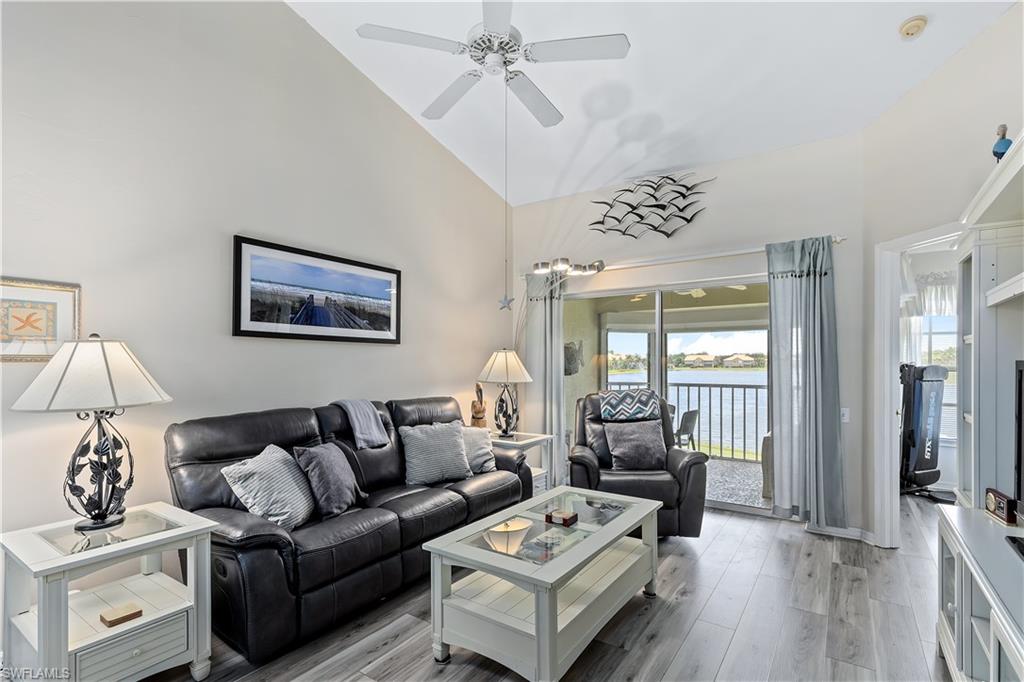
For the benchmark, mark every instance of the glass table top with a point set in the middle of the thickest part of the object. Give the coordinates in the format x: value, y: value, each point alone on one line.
x: 137, y: 524
x: 529, y: 537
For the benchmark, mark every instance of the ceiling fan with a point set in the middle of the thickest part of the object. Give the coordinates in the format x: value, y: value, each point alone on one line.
x: 495, y: 45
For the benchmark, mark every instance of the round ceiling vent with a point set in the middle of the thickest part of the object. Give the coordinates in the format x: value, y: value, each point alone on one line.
x: 912, y: 27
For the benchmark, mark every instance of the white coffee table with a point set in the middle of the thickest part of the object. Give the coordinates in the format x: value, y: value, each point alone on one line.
x: 535, y: 606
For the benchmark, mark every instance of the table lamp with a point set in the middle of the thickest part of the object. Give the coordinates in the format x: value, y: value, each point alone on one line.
x: 96, y: 379
x: 505, y: 368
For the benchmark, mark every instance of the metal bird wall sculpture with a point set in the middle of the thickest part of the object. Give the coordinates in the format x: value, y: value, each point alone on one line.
x: 661, y: 203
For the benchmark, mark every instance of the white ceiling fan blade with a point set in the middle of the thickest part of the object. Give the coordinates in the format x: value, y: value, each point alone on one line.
x: 497, y: 16
x: 397, y: 35
x: 615, y: 46
x: 452, y: 94
x: 533, y: 99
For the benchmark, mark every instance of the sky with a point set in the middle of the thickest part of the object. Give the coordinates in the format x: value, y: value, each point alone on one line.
x: 715, y: 343
x: 312, y: 277
x: 756, y: 341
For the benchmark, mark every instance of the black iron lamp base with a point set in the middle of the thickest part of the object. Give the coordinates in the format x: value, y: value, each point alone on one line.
x: 104, y: 456
x: 506, y: 411
x: 92, y: 525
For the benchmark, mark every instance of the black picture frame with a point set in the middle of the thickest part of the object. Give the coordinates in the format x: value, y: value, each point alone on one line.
x: 242, y: 301
x: 1018, y: 466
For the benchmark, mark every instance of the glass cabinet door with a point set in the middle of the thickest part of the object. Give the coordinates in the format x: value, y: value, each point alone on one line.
x: 947, y: 586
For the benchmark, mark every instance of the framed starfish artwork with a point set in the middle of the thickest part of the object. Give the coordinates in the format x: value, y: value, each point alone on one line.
x: 36, y: 317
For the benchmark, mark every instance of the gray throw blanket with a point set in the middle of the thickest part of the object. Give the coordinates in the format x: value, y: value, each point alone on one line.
x: 367, y: 427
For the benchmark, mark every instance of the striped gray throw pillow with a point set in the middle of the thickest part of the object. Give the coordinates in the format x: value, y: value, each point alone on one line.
x: 272, y: 485
x: 434, y: 453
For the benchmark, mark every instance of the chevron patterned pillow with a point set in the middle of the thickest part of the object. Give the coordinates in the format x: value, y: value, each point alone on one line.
x: 631, y: 405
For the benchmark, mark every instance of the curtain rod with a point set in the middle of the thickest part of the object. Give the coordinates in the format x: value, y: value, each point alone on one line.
x: 668, y: 260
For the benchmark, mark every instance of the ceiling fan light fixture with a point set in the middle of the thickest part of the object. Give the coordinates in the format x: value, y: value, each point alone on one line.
x: 494, y: 64
x: 576, y: 270
x: 595, y: 267
x: 542, y: 267
x: 495, y: 45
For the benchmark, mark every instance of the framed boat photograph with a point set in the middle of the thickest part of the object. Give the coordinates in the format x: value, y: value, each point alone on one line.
x: 36, y: 317
x: 287, y: 292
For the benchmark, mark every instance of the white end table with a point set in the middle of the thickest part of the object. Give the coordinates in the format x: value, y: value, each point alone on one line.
x: 61, y: 633
x: 523, y: 441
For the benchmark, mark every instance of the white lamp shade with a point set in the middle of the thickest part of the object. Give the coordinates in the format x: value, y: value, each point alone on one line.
x: 504, y: 367
x: 91, y: 374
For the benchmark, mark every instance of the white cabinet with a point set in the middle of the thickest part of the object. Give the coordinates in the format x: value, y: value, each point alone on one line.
x: 981, y: 597
x: 989, y: 342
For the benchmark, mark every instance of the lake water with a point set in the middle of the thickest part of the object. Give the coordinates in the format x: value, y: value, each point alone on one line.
x: 730, y: 417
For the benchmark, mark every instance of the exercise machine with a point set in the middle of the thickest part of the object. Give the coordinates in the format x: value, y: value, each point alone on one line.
x: 921, y: 418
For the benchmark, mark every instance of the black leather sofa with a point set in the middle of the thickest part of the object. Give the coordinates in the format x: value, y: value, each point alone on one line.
x: 680, y: 487
x: 272, y: 588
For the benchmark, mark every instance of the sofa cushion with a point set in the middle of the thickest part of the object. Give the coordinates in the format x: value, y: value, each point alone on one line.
x: 416, y: 411
x: 424, y: 514
x: 379, y: 497
x: 197, y: 449
x: 375, y: 467
x: 272, y: 485
x: 479, y: 449
x: 331, y: 478
x: 636, y: 446
x: 650, y: 485
x: 487, y: 493
x: 329, y: 549
x: 434, y: 453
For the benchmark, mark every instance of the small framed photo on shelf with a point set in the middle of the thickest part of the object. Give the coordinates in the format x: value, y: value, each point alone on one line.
x: 36, y: 317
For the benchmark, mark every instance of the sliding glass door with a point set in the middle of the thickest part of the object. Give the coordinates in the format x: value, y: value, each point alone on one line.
x: 705, y: 351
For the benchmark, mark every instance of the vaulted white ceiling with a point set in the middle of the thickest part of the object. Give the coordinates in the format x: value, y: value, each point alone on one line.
x: 703, y: 82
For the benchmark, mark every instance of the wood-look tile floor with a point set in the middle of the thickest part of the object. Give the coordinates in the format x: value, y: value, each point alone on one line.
x: 751, y: 599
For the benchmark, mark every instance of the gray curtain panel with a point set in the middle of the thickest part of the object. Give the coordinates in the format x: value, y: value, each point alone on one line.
x: 805, y: 383
x: 546, y: 293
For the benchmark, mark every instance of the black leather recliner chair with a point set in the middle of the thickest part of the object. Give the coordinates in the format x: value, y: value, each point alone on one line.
x: 680, y: 487
x: 272, y: 588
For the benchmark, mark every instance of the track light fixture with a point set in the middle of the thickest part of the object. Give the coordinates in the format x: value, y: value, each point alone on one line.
x: 566, y: 267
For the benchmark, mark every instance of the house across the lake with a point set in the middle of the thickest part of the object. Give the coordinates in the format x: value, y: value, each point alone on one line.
x: 699, y: 360
x: 739, y: 360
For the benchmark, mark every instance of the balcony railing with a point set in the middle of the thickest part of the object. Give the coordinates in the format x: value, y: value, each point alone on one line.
x: 732, y: 418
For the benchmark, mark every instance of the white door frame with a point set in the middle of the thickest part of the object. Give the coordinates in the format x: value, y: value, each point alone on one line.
x: 887, y: 358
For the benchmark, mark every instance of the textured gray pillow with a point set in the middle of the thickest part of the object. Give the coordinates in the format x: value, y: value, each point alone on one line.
x: 636, y: 446
x: 434, y: 453
x: 272, y: 485
x: 331, y: 478
x: 479, y: 449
